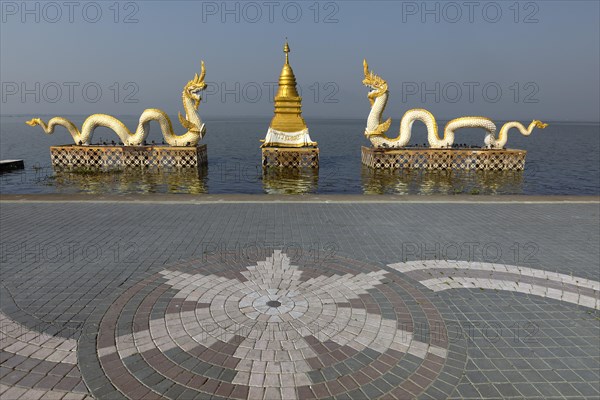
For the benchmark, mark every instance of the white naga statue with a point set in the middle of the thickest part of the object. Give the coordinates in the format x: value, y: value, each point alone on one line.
x: 191, y: 122
x: 376, y: 129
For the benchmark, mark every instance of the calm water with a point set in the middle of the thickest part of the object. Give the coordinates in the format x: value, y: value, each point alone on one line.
x: 562, y: 159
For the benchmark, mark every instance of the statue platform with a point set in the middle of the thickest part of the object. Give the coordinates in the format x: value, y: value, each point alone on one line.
x: 290, y: 157
x: 444, y: 159
x: 111, y: 157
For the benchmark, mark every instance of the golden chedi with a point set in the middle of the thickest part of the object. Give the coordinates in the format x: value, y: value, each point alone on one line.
x: 288, y: 128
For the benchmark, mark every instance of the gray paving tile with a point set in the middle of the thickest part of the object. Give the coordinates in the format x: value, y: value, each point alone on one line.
x: 558, y: 358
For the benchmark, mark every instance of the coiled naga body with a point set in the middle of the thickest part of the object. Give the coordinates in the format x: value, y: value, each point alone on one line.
x: 191, y: 101
x: 376, y: 129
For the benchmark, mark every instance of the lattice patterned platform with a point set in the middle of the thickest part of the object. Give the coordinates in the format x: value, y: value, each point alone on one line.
x: 290, y: 157
x: 122, y: 157
x: 443, y: 159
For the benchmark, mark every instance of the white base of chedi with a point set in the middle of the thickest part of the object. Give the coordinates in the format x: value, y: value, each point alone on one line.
x: 277, y: 138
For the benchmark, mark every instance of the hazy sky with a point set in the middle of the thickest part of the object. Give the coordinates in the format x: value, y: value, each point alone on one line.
x: 505, y: 60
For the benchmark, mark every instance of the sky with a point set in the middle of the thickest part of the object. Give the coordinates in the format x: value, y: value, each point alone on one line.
x: 501, y: 59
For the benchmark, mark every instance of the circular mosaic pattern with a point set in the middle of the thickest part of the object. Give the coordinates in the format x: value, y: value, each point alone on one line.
x: 272, y: 330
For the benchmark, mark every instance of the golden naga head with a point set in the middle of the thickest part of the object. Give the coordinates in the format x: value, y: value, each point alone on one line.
x: 377, y: 85
x: 34, y: 122
x: 195, y: 86
x: 539, y: 124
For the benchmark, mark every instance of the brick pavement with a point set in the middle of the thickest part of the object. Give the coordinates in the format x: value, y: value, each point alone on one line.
x: 269, y: 300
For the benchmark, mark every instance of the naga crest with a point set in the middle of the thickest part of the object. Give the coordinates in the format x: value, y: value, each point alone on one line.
x: 539, y: 124
x: 193, y: 88
x: 377, y: 84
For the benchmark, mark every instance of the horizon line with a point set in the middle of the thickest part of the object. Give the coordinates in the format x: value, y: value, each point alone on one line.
x: 270, y: 116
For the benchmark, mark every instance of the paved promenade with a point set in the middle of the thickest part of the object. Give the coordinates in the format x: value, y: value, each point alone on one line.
x: 265, y: 297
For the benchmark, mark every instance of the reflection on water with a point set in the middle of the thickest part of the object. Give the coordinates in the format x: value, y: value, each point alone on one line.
x: 274, y: 181
x: 290, y: 181
x: 441, y: 182
x: 188, y: 180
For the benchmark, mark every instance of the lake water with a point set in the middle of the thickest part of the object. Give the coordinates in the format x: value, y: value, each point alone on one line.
x: 562, y: 159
